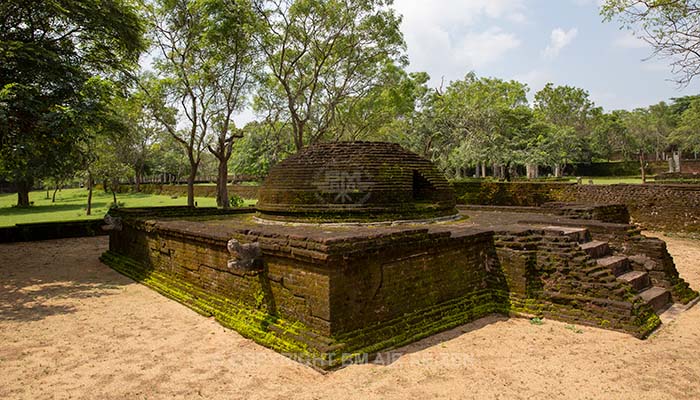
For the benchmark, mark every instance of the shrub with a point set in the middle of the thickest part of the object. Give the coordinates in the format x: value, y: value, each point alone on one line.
x: 236, y: 201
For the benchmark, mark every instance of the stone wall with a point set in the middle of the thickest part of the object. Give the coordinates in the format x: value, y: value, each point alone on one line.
x: 628, y: 168
x: 323, y: 294
x: 672, y: 208
x: 321, y: 299
x: 550, y: 276
x: 388, y: 283
x: 201, y: 260
x: 51, y: 230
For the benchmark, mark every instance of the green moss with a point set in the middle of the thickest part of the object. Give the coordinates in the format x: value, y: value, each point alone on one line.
x: 645, y: 319
x: 300, y: 341
x: 264, y: 328
x: 682, y: 292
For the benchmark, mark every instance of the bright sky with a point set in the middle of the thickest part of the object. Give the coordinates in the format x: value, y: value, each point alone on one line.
x: 535, y: 42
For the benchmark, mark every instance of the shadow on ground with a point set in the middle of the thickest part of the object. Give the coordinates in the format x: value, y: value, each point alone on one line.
x: 32, y: 289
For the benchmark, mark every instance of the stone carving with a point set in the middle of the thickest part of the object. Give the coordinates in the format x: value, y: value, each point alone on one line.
x: 246, y: 257
x: 113, y: 223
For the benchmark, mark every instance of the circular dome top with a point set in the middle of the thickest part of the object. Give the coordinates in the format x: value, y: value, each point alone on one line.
x: 355, y: 181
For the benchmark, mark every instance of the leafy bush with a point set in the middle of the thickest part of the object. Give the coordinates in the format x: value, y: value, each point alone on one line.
x: 116, y: 205
x: 236, y: 201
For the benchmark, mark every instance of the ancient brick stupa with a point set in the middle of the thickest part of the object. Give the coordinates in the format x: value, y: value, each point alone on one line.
x: 355, y: 181
x: 321, y: 271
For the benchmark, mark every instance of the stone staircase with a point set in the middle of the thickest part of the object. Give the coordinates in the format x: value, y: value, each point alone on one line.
x: 657, y: 297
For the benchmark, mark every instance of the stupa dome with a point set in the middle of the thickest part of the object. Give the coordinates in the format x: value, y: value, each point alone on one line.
x: 355, y: 181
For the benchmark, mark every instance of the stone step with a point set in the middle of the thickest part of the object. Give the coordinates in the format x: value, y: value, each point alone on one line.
x: 596, y: 249
x: 657, y: 297
x: 618, y: 264
x: 637, y: 279
x: 580, y: 235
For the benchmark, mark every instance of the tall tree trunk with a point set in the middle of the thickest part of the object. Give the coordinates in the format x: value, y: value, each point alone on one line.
x: 557, y: 170
x: 137, y: 180
x: 477, y: 172
x: 641, y: 167
x: 53, y: 197
x: 89, y: 201
x: 298, y: 131
x: 23, y: 188
x: 190, y: 185
x: 115, y: 185
x: 222, y: 185
x: 531, y: 171
x: 483, y: 170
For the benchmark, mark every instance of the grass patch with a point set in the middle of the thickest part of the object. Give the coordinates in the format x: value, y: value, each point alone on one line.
x: 71, y: 205
x: 612, y: 180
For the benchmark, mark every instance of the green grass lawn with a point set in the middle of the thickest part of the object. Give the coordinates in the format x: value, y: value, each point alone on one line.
x: 611, y: 180
x: 71, y: 204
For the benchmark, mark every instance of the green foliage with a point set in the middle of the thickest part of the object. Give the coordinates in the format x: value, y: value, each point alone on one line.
x: 50, y: 98
x: 571, y: 116
x: 476, y: 120
x: 263, y: 145
x: 70, y: 205
x: 205, y: 70
x: 236, y: 201
x: 324, y: 58
x: 573, y: 329
x: 687, y: 134
x: 670, y: 26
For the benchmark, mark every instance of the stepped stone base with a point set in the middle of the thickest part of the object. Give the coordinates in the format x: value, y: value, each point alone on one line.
x: 327, y: 295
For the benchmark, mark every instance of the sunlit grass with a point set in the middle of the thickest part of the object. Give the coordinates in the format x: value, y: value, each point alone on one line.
x: 612, y: 180
x: 71, y: 204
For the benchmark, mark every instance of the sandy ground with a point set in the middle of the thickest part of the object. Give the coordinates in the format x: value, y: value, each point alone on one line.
x: 72, y: 328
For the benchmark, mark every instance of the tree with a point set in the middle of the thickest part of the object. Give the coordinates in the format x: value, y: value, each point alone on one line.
x: 321, y: 54
x: 205, y: 71
x: 49, y: 52
x: 263, y: 145
x: 639, y: 123
x: 230, y: 27
x: 108, y: 167
x: 137, y: 133
x: 480, y: 117
x: 381, y: 114
x: 669, y: 26
x: 177, y: 30
x: 609, y: 136
x: 571, y: 114
x: 687, y: 135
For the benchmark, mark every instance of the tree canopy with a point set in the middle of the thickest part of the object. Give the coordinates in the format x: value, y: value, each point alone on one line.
x: 53, y: 56
x: 669, y: 26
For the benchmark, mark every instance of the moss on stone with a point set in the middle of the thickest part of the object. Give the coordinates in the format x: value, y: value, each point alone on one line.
x: 682, y: 292
x: 298, y: 340
x: 251, y: 323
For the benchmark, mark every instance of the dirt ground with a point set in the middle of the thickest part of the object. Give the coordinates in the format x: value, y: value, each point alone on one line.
x: 71, y: 328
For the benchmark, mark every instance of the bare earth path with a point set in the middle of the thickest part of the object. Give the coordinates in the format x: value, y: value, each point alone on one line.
x: 72, y: 328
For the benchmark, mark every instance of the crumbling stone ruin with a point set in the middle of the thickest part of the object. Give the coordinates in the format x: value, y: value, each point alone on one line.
x: 357, y: 181
x: 357, y: 248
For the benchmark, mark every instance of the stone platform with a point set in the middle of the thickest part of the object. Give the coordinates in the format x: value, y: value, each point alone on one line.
x: 327, y: 294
